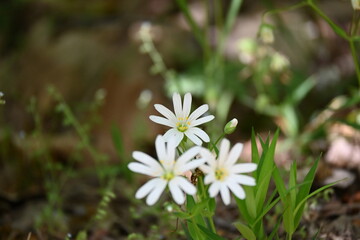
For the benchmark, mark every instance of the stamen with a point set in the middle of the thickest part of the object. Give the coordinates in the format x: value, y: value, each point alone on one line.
x: 220, y: 174
x: 168, y: 176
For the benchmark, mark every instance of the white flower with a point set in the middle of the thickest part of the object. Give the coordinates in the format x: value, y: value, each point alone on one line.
x: 165, y: 172
x: 183, y: 123
x: 224, y: 174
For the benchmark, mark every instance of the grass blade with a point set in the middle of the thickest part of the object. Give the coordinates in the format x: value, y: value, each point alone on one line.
x: 245, y: 231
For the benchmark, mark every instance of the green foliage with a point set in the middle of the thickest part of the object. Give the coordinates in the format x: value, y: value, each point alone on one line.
x: 293, y: 197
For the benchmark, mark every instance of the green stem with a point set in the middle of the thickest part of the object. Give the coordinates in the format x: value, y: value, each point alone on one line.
x: 195, y: 28
x: 285, y: 9
x: 203, y: 196
x: 213, y: 145
x: 339, y: 31
x: 289, y: 236
x: 221, y: 137
x: 355, y: 58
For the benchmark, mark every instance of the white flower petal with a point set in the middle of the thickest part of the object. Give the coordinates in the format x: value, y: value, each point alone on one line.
x: 171, y: 148
x: 234, y: 154
x: 186, y: 186
x: 202, y: 120
x: 176, y: 192
x: 191, y: 165
x: 146, y: 159
x: 187, y: 156
x: 198, y: 112
x: 225, y: 194
x: 243, y: 168
x: 205, y: 169
x: 200, y: 133
x: 224, y: 151
x: 178, y: 137
x: 214, y: 189
x: 187, y: 105
x: 170, y: 133
x: 173, y: 133
x: 177, y: 105
x: 165, y: 112
x: 143, y: 169
x: 147, y: 188
x: 162, y: 121
x: 209, y: 178
x: 156, y: 192
x: 236, y: 189
x: 243, y: 179
x: 210, y: 158
x: 161, y: 150
x: 195, y: 139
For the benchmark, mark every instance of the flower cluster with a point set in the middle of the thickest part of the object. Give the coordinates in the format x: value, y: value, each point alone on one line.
x: 222, y: 173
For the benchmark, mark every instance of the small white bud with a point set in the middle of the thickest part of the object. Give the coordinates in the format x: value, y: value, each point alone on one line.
x: 145, y: 31
x: 247, y: 48
x: 266, y: 33
x: 2, y: 101
x: 144, y: 98
x: 231, y: 126
x: 279, y: 62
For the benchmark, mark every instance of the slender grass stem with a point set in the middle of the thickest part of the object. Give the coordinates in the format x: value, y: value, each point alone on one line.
x: 355, y: 58
x: 203, y: 196
x: 285, y: 9
x: 339, y: 31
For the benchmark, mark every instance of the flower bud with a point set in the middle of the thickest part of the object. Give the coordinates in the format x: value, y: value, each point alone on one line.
x: 247, y: 50
x: 279, y: 62
x: 356, y: 4
x: 266, y: 33
x: 231, y: 126
x: 2, y: 101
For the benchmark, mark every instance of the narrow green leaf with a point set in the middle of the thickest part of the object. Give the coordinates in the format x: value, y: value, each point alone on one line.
x: 261, y: 187
x: 243, y: 209
x: 195, y: 28
x: 186, y: 230
x: 81, y: 235
x: 212, y: 205
x: 301, y: 91
x: 193, y: 230
x: 245, y: 231
x: 117, y: 141
x: 291, y: 120
x: 292, y: 183
x: 190, y: 203
x: 231, y: 16
x: 300, y: 205
x: 275, y: 229
x: 209, y: 234
x: 305, y: 189
x: 182, y: 215
x: 250, y: 201
x: 341, y: 32
x: 279, y: 183
x: 195, y: 209
x: 119, y: 147
x: 268, y: 165
x: 254, y: 149
x: 288, y: 215
x: 266, y: 210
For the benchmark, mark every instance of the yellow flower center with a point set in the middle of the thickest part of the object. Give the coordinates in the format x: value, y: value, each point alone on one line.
x: 168, y: 176
x: 183, y: 124
x: 220, y: 174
